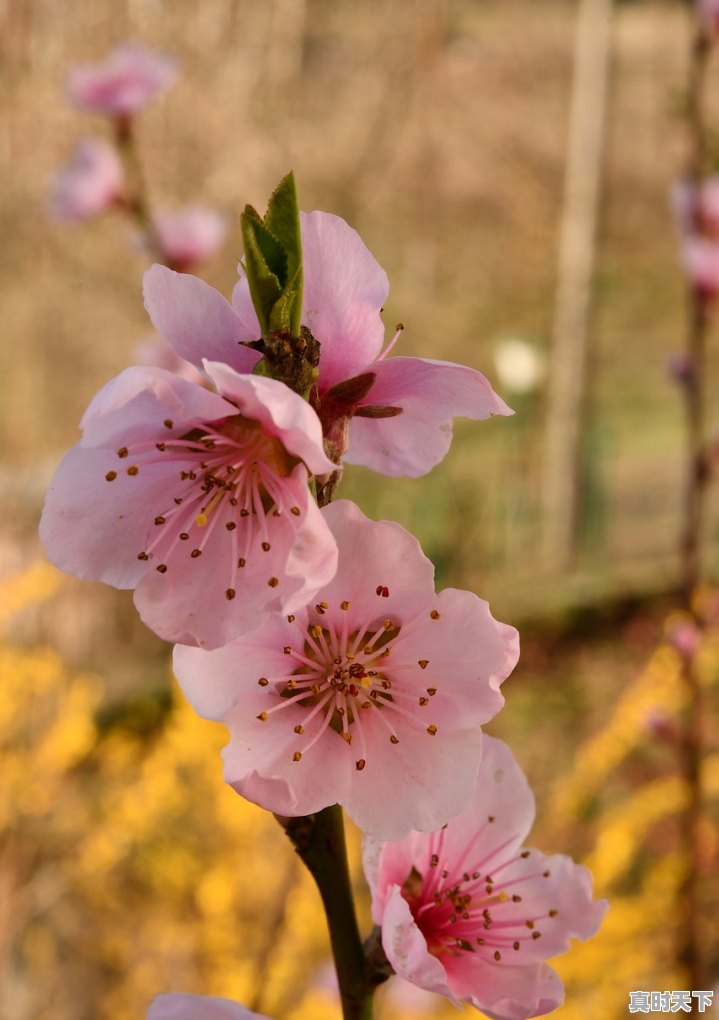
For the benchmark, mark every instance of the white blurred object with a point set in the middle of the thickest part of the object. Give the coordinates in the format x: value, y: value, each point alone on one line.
x: 520, y: 366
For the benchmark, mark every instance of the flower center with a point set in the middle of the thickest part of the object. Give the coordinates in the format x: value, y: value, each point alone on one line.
x: 476, y: 910
x: 345, y: 678
x: 228, y: 472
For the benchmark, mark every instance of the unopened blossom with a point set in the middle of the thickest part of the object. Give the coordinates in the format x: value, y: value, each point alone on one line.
x: 468, y: 913
x: 91, y: 183
x: 121, y: 84
x: 371, y: 697
x: 700, y: 260
x: 197, y: 500
x: 394, y: 412
x: 189, y: 236
x: 177, y: 1006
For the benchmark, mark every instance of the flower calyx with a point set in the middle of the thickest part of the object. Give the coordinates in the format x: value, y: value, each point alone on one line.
x: 289, y: 359
x: 335, y: 409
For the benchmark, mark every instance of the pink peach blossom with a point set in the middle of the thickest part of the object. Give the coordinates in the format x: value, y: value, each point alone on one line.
x: 400, y: 409
x: 198, y: 500
x: 189, y: 236
x: 467, y: 913
x: 177, y: 1006
x: 91, y: 183
x: 700, y: 259
x: 120, y: 85
x: 372, y: 697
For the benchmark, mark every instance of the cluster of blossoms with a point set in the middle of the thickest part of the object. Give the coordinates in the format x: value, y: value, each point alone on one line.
x: 315, y: 634
x: 96, y: 178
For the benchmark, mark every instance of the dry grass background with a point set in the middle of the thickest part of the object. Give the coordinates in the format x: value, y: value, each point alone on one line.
x: 437, y: 128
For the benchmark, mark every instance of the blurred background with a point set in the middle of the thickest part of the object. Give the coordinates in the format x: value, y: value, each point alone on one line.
x: 440, y: 130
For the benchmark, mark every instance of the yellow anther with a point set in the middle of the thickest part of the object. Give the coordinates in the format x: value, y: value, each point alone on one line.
x: 366, y: 682
x: 201, y: 519
x: 503, y: 896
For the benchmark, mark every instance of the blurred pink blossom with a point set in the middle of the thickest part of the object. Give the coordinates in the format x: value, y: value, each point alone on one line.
x: 684, y: 635
x: 658, y: 724
x: 467, y: 913
x: 708, y: 15
x: 680, y: 368
x: 372, y: 698
x: 399, y: 410
x: 700, y: 259
x: 91, y: 183
x: 189, y: 236
x: 177, y: 1006
x: 197, y: 500
x: 696, y: 206
x: 120, y: 85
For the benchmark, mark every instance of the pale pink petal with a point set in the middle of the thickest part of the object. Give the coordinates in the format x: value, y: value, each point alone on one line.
x: 91, y: 183
x: 140, y: 399
x: 177, y: 1006
x: 477, y: 667
x: 506, y: 993
x: 407, y: 951
x: 189, y: 601
x: 189, y: 236
x: 279, y: 410
x: 386, y: 864
x: 94, y: 534
x: 376, y: 554
x: 425, y: 786
x: 243, y: 307
x: 195, y: 319
x: 123, y: 83
x: 344, y: 291
x: 431, y: 394
x: 157, y: 352
x: 502, y: 794
x: 260, y: 765
x: 212, y: 681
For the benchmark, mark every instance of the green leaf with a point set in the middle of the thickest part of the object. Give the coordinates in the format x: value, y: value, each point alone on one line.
x: 273, y: 260
x: 265, y: 285
x: 282, y: 315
